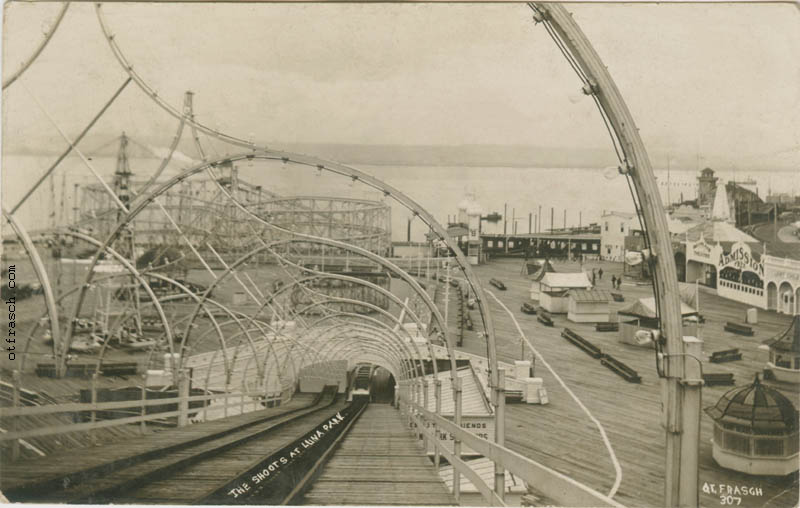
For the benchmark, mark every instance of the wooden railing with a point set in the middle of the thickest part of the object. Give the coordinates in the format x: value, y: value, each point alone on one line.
x: 556, y: 486
x: 11, y: 416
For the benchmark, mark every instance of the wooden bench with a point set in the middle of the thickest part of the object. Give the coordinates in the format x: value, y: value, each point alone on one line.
x: 582, y: 343
x: 739, y: 329
x: 728, y: 355
x: 498, y: 284
x: 617, y: 297
x: 544, y: 318
x: 606, y: 327
x: 718, y: 378
x: 622, y: 370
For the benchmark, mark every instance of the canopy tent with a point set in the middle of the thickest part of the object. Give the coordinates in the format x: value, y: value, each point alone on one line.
x: 646, y: 308
x: 539, y: 269
x: 553, y: 281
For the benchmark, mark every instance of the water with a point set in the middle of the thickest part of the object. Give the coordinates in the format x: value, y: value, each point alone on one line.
x: 583, y: 193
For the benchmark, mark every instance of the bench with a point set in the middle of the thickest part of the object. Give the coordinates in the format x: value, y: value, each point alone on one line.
x: 728, y: 355
x: 498, y: 284
x: 544, y: 318
x: 739, y: 329
x: 606, y: 327
x: 582, y: 343
x: 617, y: 297
x: 622, y: 370
x: 718, y: 378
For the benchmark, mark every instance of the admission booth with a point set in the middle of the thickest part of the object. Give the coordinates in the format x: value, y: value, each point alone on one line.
x: 641, y: 315
x: 554, y: 289
x: 784, y: 354
x: 588, y: 306
x: 755, y: 431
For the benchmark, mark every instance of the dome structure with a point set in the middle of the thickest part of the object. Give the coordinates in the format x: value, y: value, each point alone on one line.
x: 755, y: 430
x: 784, y: 354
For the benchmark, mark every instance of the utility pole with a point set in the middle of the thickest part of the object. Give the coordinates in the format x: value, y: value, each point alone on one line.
x: 565, y: 219
x: 552, y: 211
x: 530, y: 218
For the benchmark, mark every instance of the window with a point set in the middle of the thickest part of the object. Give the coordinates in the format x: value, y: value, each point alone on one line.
x: 511, y: 244
x: 769, y: 447
x: 608, y: 250
x: 594, y: 246
x: 621, y: 227
x: 737, y: 443
x: 606, y: 224
x: 499, y: 243
x: 490, y: 243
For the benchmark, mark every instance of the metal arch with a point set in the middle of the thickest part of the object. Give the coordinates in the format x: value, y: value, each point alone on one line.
x: 396, y: 366
x: 682, y: 436
x: 404, y: 200
x: 387, y: 314
x: 175, y: 140
x: 390, y: 295
x: 150, y: 92
x: 39, y: 49
x: 180, y: 286
x: 133, y: 271
x: 44, y: 280
x: 397, y: 345
x: 339, y: 169
x: 414, y: 285
x: 393, y: 345
x: 378, y: 348
x: 391, y: 333
x: 371, y: 339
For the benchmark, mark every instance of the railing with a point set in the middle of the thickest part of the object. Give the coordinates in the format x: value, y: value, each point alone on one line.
x: 12, y: 416
x: 556, y: 486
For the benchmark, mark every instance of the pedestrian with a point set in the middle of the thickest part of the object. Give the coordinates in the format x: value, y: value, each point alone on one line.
x: 619, y: 281
x: 613, y: 281
x: 594, y: 276
x: 600, y: 273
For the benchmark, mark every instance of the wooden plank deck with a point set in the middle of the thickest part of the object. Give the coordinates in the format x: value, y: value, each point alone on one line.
x: 379, y: 462
x: 561, y: 436
x: 23, y: 473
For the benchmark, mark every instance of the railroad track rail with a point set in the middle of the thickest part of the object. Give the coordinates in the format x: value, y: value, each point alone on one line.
x: 193, y: 472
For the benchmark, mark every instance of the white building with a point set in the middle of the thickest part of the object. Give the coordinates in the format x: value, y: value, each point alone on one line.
x: 614, y: 227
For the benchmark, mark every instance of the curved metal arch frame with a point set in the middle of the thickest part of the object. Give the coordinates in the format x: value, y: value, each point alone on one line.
x: 390, y: 295
x: 141, y: 204
x: 378, y: 326
x: 44, y: 280
x: 405, y: 201
x: 400, y: 354
x: 150, y: 92
x: 49, y: 35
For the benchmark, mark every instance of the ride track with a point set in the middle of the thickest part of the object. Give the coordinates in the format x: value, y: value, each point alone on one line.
x: 634, y: 164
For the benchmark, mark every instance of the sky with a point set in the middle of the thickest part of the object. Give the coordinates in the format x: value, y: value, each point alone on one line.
x: 711, y: 84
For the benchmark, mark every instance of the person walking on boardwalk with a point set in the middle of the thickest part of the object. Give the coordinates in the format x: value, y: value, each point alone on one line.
x: 600, y: 273
x: 594, y: 277
x: 613, y: 282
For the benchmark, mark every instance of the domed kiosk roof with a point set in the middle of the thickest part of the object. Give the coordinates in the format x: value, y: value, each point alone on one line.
x: 758, y: 407
x: 789, y: 340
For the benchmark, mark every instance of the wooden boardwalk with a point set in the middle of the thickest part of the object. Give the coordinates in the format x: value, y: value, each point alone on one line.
x: 561, y: 436
x: 379, y: 462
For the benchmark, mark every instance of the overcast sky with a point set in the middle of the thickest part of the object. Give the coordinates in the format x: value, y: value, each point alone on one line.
x: 722, y: 81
